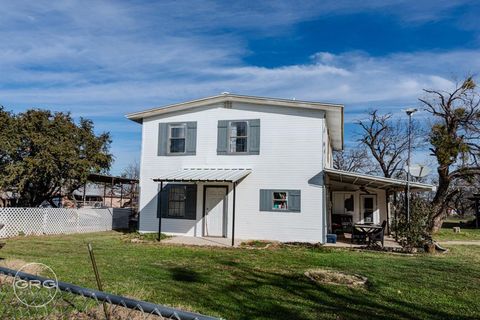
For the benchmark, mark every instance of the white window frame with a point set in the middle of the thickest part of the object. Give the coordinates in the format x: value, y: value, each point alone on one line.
x: 177, y: 125
x: 229, y: 150
x: 286, y: 200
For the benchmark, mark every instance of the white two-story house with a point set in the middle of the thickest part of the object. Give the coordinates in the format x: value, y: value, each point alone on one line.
x: 251, y: 168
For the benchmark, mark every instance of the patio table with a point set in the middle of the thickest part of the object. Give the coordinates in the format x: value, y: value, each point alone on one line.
x: 367, y: 229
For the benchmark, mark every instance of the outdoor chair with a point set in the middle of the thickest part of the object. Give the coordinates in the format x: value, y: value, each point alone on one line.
x: 378, y: 236
x: 358, y: 236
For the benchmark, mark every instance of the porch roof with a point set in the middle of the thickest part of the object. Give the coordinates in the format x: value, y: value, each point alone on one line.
x: 367, y: 180
x: 205, y: 174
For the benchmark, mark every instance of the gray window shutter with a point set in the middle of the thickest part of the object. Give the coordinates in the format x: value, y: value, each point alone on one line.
x: 254, y: 144
x: 191, y: 138
x: 294, y: 200
x: 163, y: 202
x: 266, y: 200
x: 222, y: 137
x: 191, y: 202
x: 162, y: 139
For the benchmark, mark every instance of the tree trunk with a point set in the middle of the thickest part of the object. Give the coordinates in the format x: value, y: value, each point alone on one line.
x: 437, y: 220
x: 52, y: 203
x: 436, y: 224
x: 440, y: 200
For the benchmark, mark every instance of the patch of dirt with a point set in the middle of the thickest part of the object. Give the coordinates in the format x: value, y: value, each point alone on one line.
x: 16, y: 264
x: 259, y: 244
x: 325, y: 276
x: 114, y: 312
x: 307, y: 245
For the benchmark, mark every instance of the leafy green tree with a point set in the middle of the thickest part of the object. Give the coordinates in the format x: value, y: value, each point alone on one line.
x: 8, y: 138
x: 44, y: 154
x: 413, y: 233
x: 455, y: 142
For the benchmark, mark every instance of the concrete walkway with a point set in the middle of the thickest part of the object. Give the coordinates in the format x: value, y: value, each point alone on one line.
x: 460, y: 242
x: 202, y: 241
x: 346, y: 242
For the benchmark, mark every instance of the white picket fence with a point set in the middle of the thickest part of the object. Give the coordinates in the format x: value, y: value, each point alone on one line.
x: 38, y: 221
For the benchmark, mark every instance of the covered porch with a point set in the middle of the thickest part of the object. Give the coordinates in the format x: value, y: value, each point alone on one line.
x: 355, y: 199
x: 204, y: 198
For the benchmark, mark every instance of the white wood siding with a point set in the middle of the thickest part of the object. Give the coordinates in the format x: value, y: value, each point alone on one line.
x: 327, y: 150
x: 291, y: 154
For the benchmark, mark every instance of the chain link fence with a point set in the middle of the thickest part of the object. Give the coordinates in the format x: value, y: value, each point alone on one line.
x: 75, y: 302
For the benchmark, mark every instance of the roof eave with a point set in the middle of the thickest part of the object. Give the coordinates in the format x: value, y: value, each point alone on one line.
x: 387, y: 182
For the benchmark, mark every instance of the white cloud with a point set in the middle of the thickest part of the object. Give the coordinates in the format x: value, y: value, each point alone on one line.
x: 109, y: 58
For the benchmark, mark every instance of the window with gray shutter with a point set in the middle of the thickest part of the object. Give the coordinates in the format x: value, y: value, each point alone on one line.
x: 179, y: 201
x: 237, y: 137
x: 276, y: 200
x: 177, y: 139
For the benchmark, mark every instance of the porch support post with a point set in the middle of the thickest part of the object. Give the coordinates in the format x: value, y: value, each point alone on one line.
x: 111, y: 194
x: 233, y: 213
x: 387, y: 201
x: 395, y: 214
x: 160, y: 211
x: 104, y: 193
x: 133, y: 190
x: 121, y: 195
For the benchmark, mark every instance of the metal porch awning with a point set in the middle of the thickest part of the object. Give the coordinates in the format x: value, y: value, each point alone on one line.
x: 205, y: 175
x: 374, y: 181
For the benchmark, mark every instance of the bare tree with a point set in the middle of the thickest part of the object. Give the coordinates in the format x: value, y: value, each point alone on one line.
x: 455, y: 141
x: 464, y: 190
x: 132, y: 171
x: 355, y: 160
x: 386, y: 140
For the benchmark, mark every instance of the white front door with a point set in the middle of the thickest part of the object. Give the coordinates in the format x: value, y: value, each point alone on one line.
x: 215, y: 208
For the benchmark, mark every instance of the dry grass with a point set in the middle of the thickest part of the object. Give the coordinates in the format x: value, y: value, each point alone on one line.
x: 325, y: 276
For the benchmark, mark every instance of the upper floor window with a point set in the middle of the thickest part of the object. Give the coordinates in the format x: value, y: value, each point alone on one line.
x: 176, y: 138
x: 238, y: 136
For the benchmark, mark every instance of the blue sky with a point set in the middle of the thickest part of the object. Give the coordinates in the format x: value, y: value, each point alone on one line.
x: 103, y: 59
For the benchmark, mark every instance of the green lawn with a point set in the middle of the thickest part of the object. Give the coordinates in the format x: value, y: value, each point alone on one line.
x: 467, y: 231
x: 465, y: 234
x: 266, y: 284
